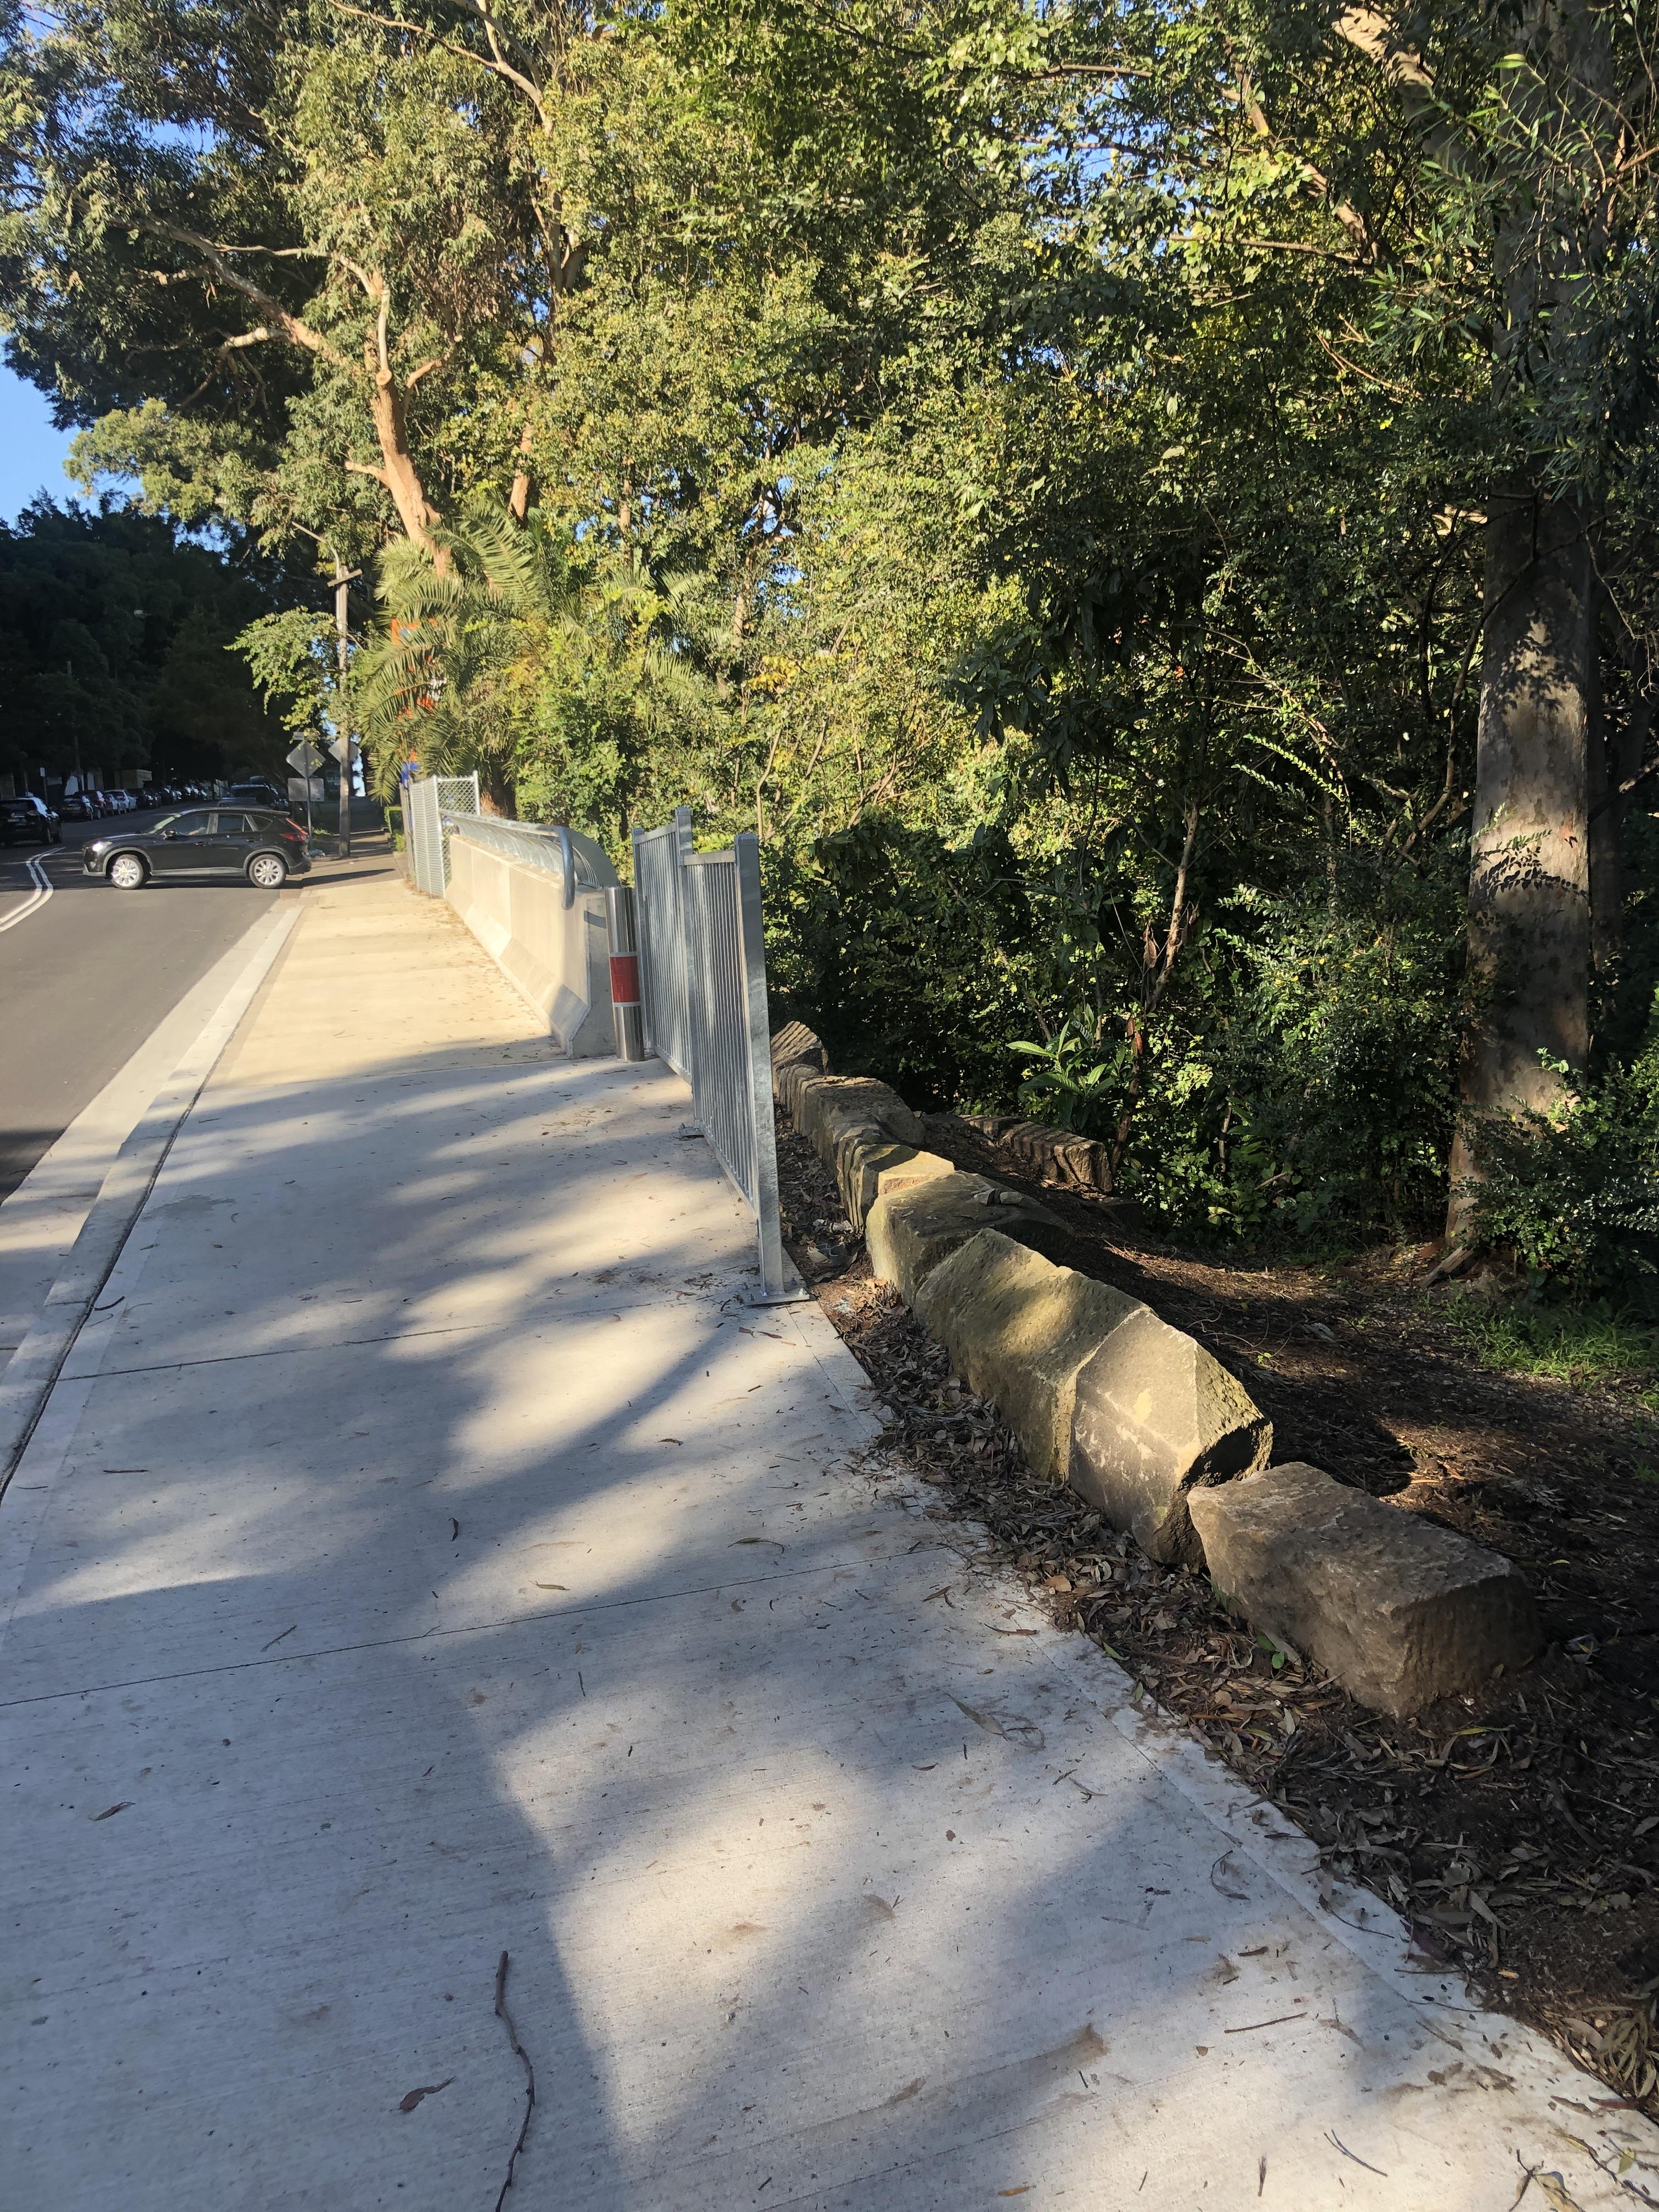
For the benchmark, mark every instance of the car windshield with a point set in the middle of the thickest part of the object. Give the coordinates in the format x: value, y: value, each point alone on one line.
x: 168, y: 822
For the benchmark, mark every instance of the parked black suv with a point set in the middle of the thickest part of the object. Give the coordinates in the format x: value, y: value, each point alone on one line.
x: 257, y: 843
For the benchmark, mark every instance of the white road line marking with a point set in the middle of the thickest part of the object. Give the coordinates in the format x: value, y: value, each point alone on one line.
x: 42, y: 881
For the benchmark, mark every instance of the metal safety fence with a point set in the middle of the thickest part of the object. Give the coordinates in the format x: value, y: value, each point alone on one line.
x: 703, y: 974
x: 427, y: 800
x: 659, y: 856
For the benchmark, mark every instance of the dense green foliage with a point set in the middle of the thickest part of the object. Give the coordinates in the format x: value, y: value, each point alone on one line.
x: 1029, y: 463
x: 115, y: 637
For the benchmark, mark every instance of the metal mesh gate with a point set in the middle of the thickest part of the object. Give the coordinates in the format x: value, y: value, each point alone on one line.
x: 702, y: 972
x: 426, y: 802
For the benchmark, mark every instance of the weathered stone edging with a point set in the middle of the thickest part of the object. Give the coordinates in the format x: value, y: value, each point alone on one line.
x: 1139, y: 1420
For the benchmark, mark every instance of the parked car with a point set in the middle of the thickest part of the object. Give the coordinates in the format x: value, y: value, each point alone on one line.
x: 76, y: 807
x: 256, y: 843
x: 28, y: 820
x: 256, y: 793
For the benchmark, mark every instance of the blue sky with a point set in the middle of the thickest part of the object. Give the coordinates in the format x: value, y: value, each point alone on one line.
x: 31, y: 451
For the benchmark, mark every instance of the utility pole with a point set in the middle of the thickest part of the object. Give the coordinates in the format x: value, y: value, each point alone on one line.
x: 343, y: 580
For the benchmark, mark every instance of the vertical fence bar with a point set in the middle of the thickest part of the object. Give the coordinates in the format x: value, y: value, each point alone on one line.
x: 758, y: 1024
x: 682, y: 849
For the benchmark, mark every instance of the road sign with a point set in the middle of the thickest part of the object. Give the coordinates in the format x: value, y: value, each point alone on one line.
x: 346, y: 750
x: 305, y: 759
x: 305, y: 790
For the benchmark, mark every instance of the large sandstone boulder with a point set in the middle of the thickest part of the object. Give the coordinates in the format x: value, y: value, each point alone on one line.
x: 1018, y: 1329
x: 1400, y: 1611
x: 908, y: 1232
x: 1153, y: 1414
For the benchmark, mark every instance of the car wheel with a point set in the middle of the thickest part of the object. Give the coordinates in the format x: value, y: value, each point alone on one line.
x: 127, y: 871
x: 267, y: 872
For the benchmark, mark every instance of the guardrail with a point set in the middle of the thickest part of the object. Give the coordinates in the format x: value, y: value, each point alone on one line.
x: 702, y: 972
x: 545, y: 845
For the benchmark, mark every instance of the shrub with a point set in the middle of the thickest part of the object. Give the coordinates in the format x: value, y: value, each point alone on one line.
x: 1575, y: 1193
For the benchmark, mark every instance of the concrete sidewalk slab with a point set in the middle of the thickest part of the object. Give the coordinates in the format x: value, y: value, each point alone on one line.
x: 426, y: 1555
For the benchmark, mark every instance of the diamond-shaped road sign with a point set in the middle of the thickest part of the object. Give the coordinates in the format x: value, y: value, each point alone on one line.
x: 305, y: 759
x: 345, y: 750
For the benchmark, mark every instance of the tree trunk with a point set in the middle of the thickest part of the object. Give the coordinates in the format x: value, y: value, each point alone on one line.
x: 398, y: 470
x: 496, y: 794
x: 518, y: 499
x: 1530, y: 875
x: 1529, y: 920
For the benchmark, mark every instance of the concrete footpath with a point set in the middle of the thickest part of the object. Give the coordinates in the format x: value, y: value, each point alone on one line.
x: 426, y: 1556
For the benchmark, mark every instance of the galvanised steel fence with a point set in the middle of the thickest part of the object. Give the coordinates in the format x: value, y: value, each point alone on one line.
x: 426, y: 802
x: 702, y: 972
x: 658, y: 857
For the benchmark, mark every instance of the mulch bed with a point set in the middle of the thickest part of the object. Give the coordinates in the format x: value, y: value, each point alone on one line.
x: 1516, y: 1831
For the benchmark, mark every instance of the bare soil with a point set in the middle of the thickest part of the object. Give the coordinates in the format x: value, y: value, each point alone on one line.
x: 1516, y: 1831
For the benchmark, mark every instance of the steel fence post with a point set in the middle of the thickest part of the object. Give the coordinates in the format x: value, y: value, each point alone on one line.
x: 684, y: 846
x: 751, y: 936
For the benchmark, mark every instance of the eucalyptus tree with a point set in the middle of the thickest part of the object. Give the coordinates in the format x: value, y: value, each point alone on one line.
x: 1469, y: 191
x: 288, y: 264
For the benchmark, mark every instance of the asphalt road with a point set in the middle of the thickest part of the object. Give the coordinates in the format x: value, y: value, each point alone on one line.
x: 87, y: 975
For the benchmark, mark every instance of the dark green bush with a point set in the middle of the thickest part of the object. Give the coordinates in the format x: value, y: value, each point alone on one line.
x: 1575, y: 1193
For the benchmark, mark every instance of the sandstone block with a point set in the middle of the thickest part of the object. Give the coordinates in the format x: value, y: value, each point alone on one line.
x: 1153, y: 1414
x: 1019, y: 1329
x: 1059, y: 1155
x: 993, y: 1125
x: 868, y: 1162
x: 795, y: 1081
x: 795, y: 1041
x: 834, y: 1106
x: 1400, y: 1611
x: 908, y: 1232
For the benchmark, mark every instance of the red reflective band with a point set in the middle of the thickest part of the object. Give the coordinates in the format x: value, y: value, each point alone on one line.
x: 625, y: 979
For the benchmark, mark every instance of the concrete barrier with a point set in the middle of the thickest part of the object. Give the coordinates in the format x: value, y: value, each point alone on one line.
x: 557, y: 956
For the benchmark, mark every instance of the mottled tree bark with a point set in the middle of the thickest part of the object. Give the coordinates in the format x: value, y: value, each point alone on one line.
x: 1530, y: 910
x: 1529, y: 876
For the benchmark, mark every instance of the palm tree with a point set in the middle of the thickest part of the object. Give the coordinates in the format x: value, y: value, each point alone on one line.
x: 465, y: 648
x: 445, y: 678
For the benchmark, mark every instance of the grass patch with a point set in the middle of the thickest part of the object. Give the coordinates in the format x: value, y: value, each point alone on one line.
x: 1588, y: 1347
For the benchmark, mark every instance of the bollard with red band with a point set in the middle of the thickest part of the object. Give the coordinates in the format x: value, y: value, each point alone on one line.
x: 627, y: 1010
